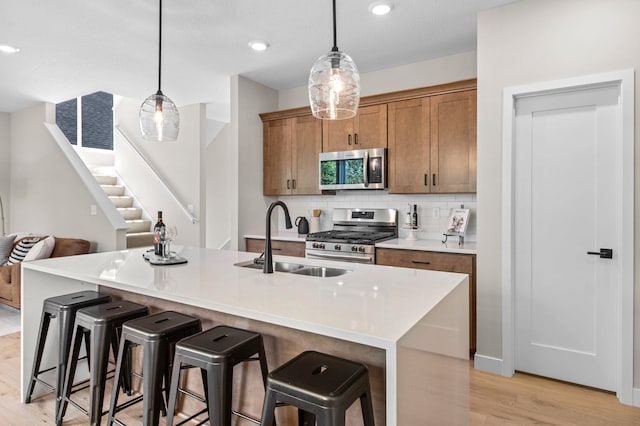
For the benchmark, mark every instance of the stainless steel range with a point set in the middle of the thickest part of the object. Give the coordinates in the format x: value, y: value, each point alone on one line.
x: 354, y: 234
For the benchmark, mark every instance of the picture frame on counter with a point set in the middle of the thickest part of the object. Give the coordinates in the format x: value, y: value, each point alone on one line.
x: 457, y: 222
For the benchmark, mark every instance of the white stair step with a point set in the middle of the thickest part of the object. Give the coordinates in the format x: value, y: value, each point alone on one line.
x: 121, y: 201
x: 140, y: 239
x: 113, y: 189
x: 138, y: 225
x: 130, y: 213
x: 106, y: 179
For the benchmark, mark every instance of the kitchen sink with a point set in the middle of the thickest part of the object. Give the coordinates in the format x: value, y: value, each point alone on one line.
x: 320, y: 271
x: 296, y: 268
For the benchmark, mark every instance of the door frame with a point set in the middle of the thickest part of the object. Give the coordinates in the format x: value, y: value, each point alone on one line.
x: 625, y: 199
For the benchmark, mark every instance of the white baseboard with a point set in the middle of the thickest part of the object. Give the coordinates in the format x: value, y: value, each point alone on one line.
x: 487, y: 363
x: 636, y: 397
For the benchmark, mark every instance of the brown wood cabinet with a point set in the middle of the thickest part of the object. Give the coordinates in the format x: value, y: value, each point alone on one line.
x: 432, y: 144
x: 290, y: 156
x: 430, y: 133
x: 437, y: 261
x: 284, y: 248
x: 368, y: 129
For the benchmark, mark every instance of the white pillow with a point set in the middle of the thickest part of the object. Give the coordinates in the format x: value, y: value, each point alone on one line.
x: 42, y: 249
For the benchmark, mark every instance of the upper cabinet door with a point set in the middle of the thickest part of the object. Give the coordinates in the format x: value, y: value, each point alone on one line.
x: 409, y: 149
x: 368, y: 129
x: 453, y: 142
x: 277, y: 176
x: 307, y: 145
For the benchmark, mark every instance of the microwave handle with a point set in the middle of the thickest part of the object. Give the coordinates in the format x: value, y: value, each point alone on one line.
x: 365, y: 167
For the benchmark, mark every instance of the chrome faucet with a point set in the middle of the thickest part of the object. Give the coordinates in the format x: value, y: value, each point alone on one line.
x: 268, y: 260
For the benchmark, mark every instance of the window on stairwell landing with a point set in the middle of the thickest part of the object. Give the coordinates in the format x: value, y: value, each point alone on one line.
x: 93, y: 127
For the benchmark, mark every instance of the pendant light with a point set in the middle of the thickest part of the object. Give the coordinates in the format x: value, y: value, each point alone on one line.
x: 334, y: 83
x: 159, y: 116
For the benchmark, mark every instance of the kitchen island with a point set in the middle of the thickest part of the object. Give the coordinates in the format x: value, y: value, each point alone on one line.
x: 409, y: 326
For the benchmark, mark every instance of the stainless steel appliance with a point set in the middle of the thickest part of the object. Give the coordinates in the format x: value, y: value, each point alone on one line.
x: 354, y: 234
x: 358, y: 169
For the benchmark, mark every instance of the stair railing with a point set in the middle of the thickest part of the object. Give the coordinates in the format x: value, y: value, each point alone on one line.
x: 164, y: 183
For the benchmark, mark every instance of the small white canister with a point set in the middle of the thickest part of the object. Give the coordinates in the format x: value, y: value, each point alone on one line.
x: 314, y: 224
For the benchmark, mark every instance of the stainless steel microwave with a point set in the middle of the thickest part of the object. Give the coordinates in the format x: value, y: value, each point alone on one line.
x: 358, y: 169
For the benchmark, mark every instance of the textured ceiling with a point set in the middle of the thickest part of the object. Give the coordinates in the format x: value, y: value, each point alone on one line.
x: 71, y: 48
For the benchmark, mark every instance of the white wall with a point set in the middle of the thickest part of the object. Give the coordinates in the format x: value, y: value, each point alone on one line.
x: 219, y: 182
x: 178, y: 162
x: 46, y: 195
x: 534, y: 41
x: 420, y: 74
x: 5, y: 165
x: 248, y: 99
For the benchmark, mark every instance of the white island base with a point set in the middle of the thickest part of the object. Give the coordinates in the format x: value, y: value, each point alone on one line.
x: 410, y: 327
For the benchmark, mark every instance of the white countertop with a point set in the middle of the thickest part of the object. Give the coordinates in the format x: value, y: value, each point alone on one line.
x: 430, y: 245
x: 281, y: 236
x: 372, y: 305
x: 398, y: 243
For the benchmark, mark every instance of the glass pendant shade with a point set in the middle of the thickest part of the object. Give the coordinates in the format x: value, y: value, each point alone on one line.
x: 159, y: 118
x: 334, y: 87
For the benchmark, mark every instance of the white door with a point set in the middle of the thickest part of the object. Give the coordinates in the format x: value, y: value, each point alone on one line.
x: 566, y: 206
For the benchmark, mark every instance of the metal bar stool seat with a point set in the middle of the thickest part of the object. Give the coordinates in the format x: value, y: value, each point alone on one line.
x: 157, y: 334
x: 104, y: 325
x: 216, y: 351
x: 63, y: 308
x: 321, y: 385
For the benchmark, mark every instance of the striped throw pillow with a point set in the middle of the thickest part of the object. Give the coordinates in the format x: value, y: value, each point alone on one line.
x: 21, y: 249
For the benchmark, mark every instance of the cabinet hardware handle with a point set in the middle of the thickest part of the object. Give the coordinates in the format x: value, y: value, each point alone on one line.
x: 294, y: 183
x: 418, y: 262
x: 355, y: 139
x: 288, y: 184
x: 425, y: 180
x: 434, y: 179
x: 276, y: 248
x: 349, y: 139
x: 604, y: 253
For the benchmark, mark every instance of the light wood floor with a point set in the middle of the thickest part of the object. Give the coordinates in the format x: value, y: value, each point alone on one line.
x: 494, y: 400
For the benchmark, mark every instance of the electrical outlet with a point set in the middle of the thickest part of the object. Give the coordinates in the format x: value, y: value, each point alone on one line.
x: 190, y: 208
x: 93, y: 210
x: 436, y: 213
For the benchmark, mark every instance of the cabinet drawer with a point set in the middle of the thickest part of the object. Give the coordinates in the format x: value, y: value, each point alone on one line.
x: 284, y: 248
x: 447, y: 262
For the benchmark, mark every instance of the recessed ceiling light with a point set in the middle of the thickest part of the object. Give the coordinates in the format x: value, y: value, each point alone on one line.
x: 380, y: 8
x: 8, y: 49
x: 258, y: 45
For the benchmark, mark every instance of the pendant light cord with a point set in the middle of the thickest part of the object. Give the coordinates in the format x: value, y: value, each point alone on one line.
x: 160, y: 45
x: 335, y: 36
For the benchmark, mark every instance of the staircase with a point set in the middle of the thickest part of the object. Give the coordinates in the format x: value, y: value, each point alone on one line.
x: 139, y: 230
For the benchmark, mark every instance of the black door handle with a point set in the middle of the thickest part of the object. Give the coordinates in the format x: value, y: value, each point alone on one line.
x: 604, y: 253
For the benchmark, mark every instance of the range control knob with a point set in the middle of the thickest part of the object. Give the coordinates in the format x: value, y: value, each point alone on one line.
x: 354, y: 248
x: 337, y: 247
x: 361, y: 249
x: 321, y: 245
x: 314, y: 245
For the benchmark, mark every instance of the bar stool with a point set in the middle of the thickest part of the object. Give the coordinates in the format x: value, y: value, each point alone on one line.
x: 104, y: 325
x: 157, y: 334
x: 216, y: 351
x: 63, y: 308
x: 322, y: 385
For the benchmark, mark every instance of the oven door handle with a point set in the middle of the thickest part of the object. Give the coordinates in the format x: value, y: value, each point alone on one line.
x: 365, y: 259
x: 365, y: 169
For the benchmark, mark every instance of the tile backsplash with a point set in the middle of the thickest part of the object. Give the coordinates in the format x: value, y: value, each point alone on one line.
x: 433, y: 209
